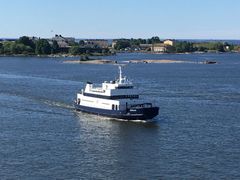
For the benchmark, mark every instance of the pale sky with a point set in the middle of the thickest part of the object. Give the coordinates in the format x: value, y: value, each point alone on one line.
x: 179, y: 19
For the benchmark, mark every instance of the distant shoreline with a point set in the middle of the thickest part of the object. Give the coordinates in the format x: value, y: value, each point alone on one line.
x: 68, y: 55
x: 46, y: 56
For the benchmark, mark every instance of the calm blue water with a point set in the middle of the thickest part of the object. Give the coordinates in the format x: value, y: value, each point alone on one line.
x: 197, y: 134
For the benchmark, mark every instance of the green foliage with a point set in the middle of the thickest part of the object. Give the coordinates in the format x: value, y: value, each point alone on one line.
x: 178, y: 47
x: 184, y: 46
x: 214, y: 46
x: 75, y: 50
x: 18, y: 48
x: 153, y: 40
x: 42, y: 47
x: 81, y: 43
x: 7, y: 47
x: 219, y: 47
x: 122, y: 44
x: 72, y: 43
x: 236, y: 48
x: 26, y: 41
x: 137, y: 42
x: 1, y: 48
x: 170, y: 49
x: 181, y: 47
x: 55, y: 47
x: 26, y: 46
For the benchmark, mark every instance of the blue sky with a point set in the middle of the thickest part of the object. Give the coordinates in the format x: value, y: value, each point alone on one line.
x: 181, y: 19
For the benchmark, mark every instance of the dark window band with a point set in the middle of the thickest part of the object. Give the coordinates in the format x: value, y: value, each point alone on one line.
x: 124, y: 87
x: 112, y: 97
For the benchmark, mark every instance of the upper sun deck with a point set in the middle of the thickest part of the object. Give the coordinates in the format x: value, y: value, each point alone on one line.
x: 108, y: 86
x: 119, y: 87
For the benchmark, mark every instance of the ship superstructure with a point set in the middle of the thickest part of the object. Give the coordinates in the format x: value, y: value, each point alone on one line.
x: 116, y: 99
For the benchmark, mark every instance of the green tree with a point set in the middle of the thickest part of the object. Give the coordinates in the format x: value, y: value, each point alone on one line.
x: 170, y: 49
x: 122, y: 44
x: 7, y: 47
x: 43, y: 47
x: 26, y: 41
x: 75, y: 50
x: 81, y: 43
x: 153, y: 40
x: 18, y: 48
x: 1, y: 48
x: 219, y: 47
x: 142, y: 41
x: 184, y: 46
x: 55, y: 47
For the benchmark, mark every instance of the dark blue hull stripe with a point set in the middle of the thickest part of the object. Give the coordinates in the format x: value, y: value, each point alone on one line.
x: 137, y: 114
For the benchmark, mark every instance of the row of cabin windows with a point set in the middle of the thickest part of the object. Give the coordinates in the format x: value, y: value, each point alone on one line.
x: 124, y: 97
x: 124, y: 87
x: 114, y: 107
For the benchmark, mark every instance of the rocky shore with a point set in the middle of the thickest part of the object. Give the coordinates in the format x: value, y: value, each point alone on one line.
x: 146, y: 61
x: 101, y: 61
x: 158, y: 61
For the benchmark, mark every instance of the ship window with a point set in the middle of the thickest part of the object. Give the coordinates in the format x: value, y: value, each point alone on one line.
x: 114, y: 107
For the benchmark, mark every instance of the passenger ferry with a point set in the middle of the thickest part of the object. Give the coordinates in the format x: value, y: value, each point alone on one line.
x: 115, y: 99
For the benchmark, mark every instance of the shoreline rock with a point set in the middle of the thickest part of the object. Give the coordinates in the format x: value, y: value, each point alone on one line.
x: 160, y: 61
x: 101, y: 61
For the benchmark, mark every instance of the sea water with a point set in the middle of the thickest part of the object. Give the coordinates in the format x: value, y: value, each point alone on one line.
x: 196, y: 134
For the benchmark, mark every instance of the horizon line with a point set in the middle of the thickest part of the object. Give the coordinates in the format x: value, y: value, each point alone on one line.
x: 231, y: 39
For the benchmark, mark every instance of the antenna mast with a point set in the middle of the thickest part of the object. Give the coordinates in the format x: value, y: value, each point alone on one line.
x: 122, y: 79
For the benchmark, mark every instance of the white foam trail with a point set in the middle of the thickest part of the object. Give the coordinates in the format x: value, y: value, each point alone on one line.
x: 16, y: 76
x: 58, y: 104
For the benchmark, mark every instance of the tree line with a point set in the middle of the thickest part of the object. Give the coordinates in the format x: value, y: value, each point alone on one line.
x: 131, y: 43
x: 178, y: 46
x: 184, y: 46
x: 26, y: 46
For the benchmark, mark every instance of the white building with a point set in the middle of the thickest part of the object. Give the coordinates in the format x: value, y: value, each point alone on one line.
x: 158, y: 47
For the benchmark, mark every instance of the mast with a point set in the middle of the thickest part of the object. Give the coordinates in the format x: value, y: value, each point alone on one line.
x: 120, y: 74
x: 122, y: 79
